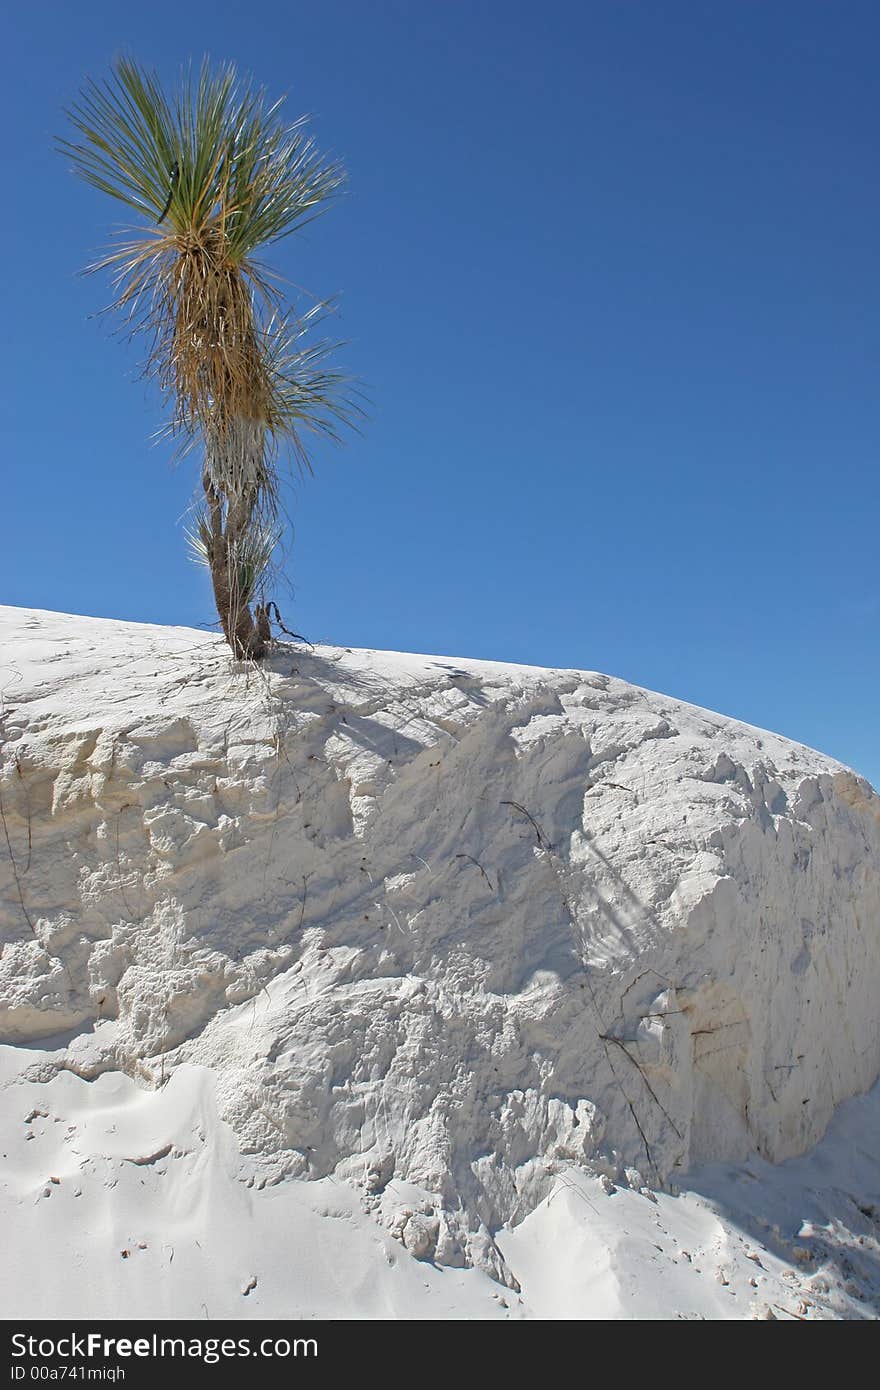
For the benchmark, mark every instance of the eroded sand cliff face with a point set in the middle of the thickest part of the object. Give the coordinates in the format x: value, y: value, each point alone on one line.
x: 442, y: 929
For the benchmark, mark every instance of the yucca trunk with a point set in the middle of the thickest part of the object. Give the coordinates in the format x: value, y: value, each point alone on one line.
x: 231, y: 478
x: 234, y: 611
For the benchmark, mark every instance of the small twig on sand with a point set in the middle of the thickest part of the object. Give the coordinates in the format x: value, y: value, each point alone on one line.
x: 27, y: 916
x: 542, y: 839
x: 608, y: 1037
x: 297, y: 637
x: 798, y: 1316
x: 479, y: 866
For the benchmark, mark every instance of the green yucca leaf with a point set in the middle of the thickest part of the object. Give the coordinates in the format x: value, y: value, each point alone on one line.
x: 304, y: 394
x: 253, y: 551
x: 238, y: 162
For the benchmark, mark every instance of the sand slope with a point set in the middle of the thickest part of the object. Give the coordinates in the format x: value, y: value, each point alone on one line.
x: 414, y: 959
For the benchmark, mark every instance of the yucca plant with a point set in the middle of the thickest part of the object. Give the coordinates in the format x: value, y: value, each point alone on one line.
x: 215, y: 173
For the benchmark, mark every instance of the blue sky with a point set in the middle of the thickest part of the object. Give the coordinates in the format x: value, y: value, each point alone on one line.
x: 608, y: 271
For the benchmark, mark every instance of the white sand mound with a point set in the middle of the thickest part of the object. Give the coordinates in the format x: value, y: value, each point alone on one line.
x: 452, y: 931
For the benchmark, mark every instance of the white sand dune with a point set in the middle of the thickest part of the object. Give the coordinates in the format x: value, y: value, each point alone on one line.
x: 371, y: 985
